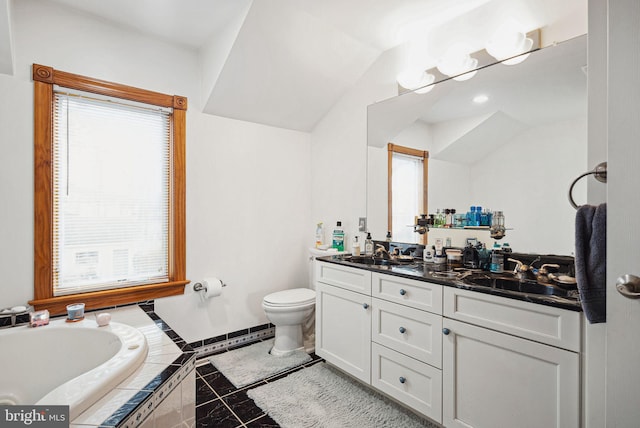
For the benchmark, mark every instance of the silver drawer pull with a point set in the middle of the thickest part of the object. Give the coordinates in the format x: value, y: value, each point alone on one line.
x: 365, y: 305
x: 403, y: 291
x: 402, y: 379
x: 403, y: 330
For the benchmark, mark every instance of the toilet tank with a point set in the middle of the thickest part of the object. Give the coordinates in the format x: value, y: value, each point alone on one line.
x: 313, y: 253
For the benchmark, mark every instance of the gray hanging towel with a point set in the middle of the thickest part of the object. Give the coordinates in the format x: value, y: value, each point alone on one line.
x: 591, y: 261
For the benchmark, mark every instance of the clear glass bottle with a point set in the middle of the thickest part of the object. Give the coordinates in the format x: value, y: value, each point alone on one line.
x: 497, y: 225
x: 438, y: 219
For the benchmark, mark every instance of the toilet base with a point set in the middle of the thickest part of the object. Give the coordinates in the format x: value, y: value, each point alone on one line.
x: 288, y: 340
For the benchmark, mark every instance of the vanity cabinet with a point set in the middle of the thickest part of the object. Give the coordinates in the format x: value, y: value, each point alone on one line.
x: 509, y: 363
x: 343, y: 318
x: 462, y: 358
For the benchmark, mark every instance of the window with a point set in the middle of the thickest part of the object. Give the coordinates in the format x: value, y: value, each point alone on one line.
x: 109, y: 192
x: 407, y: 187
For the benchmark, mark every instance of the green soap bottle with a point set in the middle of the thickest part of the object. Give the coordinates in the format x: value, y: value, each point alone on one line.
x: 338, y: 237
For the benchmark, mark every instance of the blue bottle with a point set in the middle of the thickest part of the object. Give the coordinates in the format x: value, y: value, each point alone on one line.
x: 478, y: 220
x: 471, y: 216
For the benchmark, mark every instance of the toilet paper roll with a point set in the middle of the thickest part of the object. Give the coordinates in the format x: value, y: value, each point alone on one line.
x: 212, y: 288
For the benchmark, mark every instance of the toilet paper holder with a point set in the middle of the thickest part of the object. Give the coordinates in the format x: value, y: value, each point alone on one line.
x: 199, y: 287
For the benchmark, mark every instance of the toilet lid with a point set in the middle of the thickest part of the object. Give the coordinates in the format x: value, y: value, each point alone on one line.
x: 296, y: 296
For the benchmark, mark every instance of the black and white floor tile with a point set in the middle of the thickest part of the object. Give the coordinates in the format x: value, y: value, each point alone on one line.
x: 221, y: 405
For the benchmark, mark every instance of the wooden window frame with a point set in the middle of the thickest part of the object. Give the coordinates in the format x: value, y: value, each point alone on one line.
x: 44, y: 79
x: 424, y: 155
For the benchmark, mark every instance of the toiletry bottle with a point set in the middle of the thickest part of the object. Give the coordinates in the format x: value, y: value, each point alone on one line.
x: 478, y: 216
x: 368, y: 245
x: 471, y: 216
x: 338, y: 237
x: 388, y: 238
x: 497, y: 259
x: 355, y: 248
x: 319, y: 235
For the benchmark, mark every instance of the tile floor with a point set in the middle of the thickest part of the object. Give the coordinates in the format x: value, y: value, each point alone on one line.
x: 219, y: 404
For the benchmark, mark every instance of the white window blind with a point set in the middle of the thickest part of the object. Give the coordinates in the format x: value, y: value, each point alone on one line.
x: 111, y: 194
x: 407, y: 190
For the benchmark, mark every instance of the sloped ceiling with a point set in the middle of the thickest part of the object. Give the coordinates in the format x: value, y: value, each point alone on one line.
x: 283, y: 63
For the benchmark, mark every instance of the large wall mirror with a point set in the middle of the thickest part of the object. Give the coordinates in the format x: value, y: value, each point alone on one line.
x: 517, y: 152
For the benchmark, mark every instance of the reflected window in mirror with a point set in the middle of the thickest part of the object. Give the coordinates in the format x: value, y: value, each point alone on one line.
x: 407, y: 187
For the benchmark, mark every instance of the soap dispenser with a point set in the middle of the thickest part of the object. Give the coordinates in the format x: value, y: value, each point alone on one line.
x: 368, y: 245
x: 355, y: 248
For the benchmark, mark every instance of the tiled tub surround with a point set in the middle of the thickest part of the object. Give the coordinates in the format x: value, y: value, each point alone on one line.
x: 161, y: 393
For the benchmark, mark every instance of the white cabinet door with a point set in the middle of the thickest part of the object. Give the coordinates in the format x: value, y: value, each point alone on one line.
x: 495, y: 380
x: 343, y: 330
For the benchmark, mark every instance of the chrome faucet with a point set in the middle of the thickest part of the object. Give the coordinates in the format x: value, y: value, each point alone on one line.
x: 521, y: 270
x: 381, y: 250
x: 543, y: 272
x: 524, y: 272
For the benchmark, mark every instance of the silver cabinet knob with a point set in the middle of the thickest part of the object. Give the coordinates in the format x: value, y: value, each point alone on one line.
x: 403, y: 291
x: 629, y: 286
x: 365, y: 305
x: 446, y: 331
x: 402, y: 379
x: 402, y: 329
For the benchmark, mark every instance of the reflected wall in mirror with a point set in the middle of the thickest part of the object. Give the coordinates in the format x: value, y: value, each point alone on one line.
x: 517, y: 152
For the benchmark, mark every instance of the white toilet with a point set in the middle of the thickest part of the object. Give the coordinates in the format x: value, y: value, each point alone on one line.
x: 289, y: 311
x: 293, y: 313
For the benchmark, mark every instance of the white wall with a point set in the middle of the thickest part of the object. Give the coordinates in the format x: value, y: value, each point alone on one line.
x: 248, y: 185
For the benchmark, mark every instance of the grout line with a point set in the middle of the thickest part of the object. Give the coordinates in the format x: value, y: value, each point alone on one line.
x: 232, y: 412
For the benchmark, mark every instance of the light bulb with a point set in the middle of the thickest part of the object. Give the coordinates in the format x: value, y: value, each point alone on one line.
x: 457, y: 62
x: 416, y: 80
x: 509, y: 42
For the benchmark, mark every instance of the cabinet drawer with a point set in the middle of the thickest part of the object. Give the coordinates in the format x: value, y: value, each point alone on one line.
x: 545, y: 324
x: 413, y: 383
x: 417, y: 294
x: 415, y: 333
x: 358, y: 280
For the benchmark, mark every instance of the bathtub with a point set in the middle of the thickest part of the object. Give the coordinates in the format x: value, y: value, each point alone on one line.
x: 64, y: 363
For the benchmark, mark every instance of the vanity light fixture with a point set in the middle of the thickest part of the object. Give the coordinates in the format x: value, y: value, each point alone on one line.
x: 508, y: 44
x: 418, y: 81
x: 457, y: 63
x: 480, y: 99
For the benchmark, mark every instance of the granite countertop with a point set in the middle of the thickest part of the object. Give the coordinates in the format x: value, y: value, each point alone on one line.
x: 441, y: 274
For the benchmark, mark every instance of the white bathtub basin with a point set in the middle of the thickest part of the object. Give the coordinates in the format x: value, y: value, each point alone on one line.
x: 64, y: 363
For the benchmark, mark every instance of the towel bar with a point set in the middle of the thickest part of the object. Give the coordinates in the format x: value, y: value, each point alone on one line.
x: 599, y: 173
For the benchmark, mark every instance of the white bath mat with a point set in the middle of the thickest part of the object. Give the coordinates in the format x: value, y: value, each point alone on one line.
x: 321, y: 397
x: 252, y: 363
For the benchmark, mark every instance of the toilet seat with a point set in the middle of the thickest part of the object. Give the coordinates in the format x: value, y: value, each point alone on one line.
x: 288, y: 298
